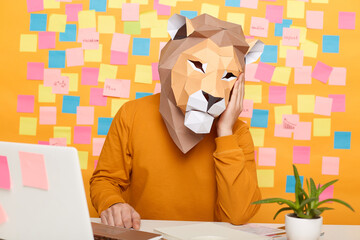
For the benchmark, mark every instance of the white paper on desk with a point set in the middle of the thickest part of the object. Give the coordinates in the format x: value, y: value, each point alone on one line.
x: 259, y: 230
x: 202, y: 231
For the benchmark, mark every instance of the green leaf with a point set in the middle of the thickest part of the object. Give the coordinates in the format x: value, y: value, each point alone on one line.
x: 313, y: 188
x: 309, y: 200
x: 326, y: 186
x: 335, y: 200
x: 279, y: 201
x: 281, y: 210
x: 319, y: 211
x: 308, y: 187
x: 297, y: 186
x: 301, y: 215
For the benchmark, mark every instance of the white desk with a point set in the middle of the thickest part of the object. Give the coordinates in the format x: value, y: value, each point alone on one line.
x: 332, y: 232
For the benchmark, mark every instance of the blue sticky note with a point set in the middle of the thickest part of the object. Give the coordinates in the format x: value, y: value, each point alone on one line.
x: 141, y: 46
x: 290, y: 183
x: 56, y: 59
x: 286, y: 23
x: 270, y: 54
x: 260, y: 118
x: 330, y: 44
x: 232, y: 3
x: 188, y: 14
x: 38, y: 22
x: 69, y: 35
x: 70, y: 103
x: 342, y: 140
x: 142, y: 94
x: 104, y: 125
x: 98, y: 5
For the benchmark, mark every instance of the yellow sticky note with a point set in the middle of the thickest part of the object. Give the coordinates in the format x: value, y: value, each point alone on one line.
x: 57, y: 23
x: 258, y: 136
x: 210, y: 9
x: 306, y: 103
x: 116, y: 105
x: 116, y: 3
x: 238, y: 18
x: 107, y: 71
x: 28, y: 42
x: 265, y: 177
x: 159, y: 30
x: 144, y: 2
x: 295, y: 9
x: 168, y: 2
x: 46, y: 95
x: 148, y: 19
x: 320, y: 1
x: 73, y: 81
x: 106, y: 24
x: 253, y: 92
x: 83, y: 158
x: 63, y: 132
x: 28, y: 126
x: 279, y: 111
x: 93, y: 55
x: 281, y: 75
x: 303, y: 33
x: 87, y: 19
x: 143, y: 74
x: 51, y: 4
x: 283, y: 50
x: 310, y: 48
x: 322, y: 127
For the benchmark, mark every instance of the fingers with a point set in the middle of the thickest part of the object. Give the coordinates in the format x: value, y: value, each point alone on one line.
x: 103, y: 219
x: 126, y: 217
x: 121, y: 215
x: 135, y: 220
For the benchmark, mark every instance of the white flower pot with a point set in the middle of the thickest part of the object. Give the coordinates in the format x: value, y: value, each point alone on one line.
x: 302, y: 228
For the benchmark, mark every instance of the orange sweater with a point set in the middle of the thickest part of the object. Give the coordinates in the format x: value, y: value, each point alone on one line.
x: 139, y: 164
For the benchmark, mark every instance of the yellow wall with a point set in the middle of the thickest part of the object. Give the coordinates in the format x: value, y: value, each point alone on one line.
x: 15, y: 21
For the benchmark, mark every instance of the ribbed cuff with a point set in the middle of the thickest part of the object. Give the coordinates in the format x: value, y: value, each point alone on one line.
x: 226, y: 143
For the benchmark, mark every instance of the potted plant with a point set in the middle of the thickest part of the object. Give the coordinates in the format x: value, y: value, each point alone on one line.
x: 305, y: 221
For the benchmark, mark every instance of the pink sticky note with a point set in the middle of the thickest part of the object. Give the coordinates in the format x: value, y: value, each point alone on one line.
x: 47, y: 116
x: 72, y: 10
x: 290, y: 121
x: 347, y: 20
x: 277, y: 94
x: 338, y: 76
x: 303, y: 131
x: 301, y: 155
x: 250, y: 70
x: 35, y: 5
x: 162, y: 9
x: 303, y: 75
x: 274, y: 13
x: 97, y: 98
x: 259, y: 27
x: 294, y: 58
x: 315, y: 19
x: 322, y: 72
x: 43, y: 143
x: 327, y: 193
x: 291, y: 37
x: 130, y: 12
x: 33, y: 170
x: 5, y: 182
x: 57, y: 142
x: 323, y: 106
x: 249, y: 4
x: 248, y: 106
x: 90, y: 40
x: 267, y: 156
x: 82, y: 135
x: 51, y: 76
x: 3, y: 215
x: 117, y: 88
x: 89, y: 76
x: 280, y: 131
x: 74, y: 57
x: 155, y: 71
x: 330, y: 166
x: 61, y: 86
x: 119, y: 58
x: 338, y: 104
x: 35, y: 71
x: 83, y: 32
x: 98, y: 144
x: 157, y: 88
x: 264, y: 72
x: 47, y: 40
x: 25, y: 103
x: 120, y: 42
x: 84, y: 115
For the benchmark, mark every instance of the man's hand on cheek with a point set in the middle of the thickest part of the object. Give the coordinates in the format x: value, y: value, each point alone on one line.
x: 121, y: 215
x: 233, y: 109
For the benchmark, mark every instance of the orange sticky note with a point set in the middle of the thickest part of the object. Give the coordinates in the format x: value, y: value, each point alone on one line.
x: 33, y: 170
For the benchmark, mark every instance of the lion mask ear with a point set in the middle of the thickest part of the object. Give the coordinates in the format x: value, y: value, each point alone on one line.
x: 255, y: 50
x: 179, y: 27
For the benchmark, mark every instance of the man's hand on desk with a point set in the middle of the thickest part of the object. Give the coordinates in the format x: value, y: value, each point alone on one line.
x: 121, y: 215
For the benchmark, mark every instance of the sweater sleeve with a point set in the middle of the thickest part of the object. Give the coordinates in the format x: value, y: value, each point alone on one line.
x: 112, y: 174
x: 236, y: 176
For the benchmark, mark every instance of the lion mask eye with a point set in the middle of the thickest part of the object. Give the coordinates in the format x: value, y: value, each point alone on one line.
x: 228, y: 76
x: 198, y: 66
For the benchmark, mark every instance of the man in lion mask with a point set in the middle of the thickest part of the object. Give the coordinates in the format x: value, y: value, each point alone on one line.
x: 183, y: 154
